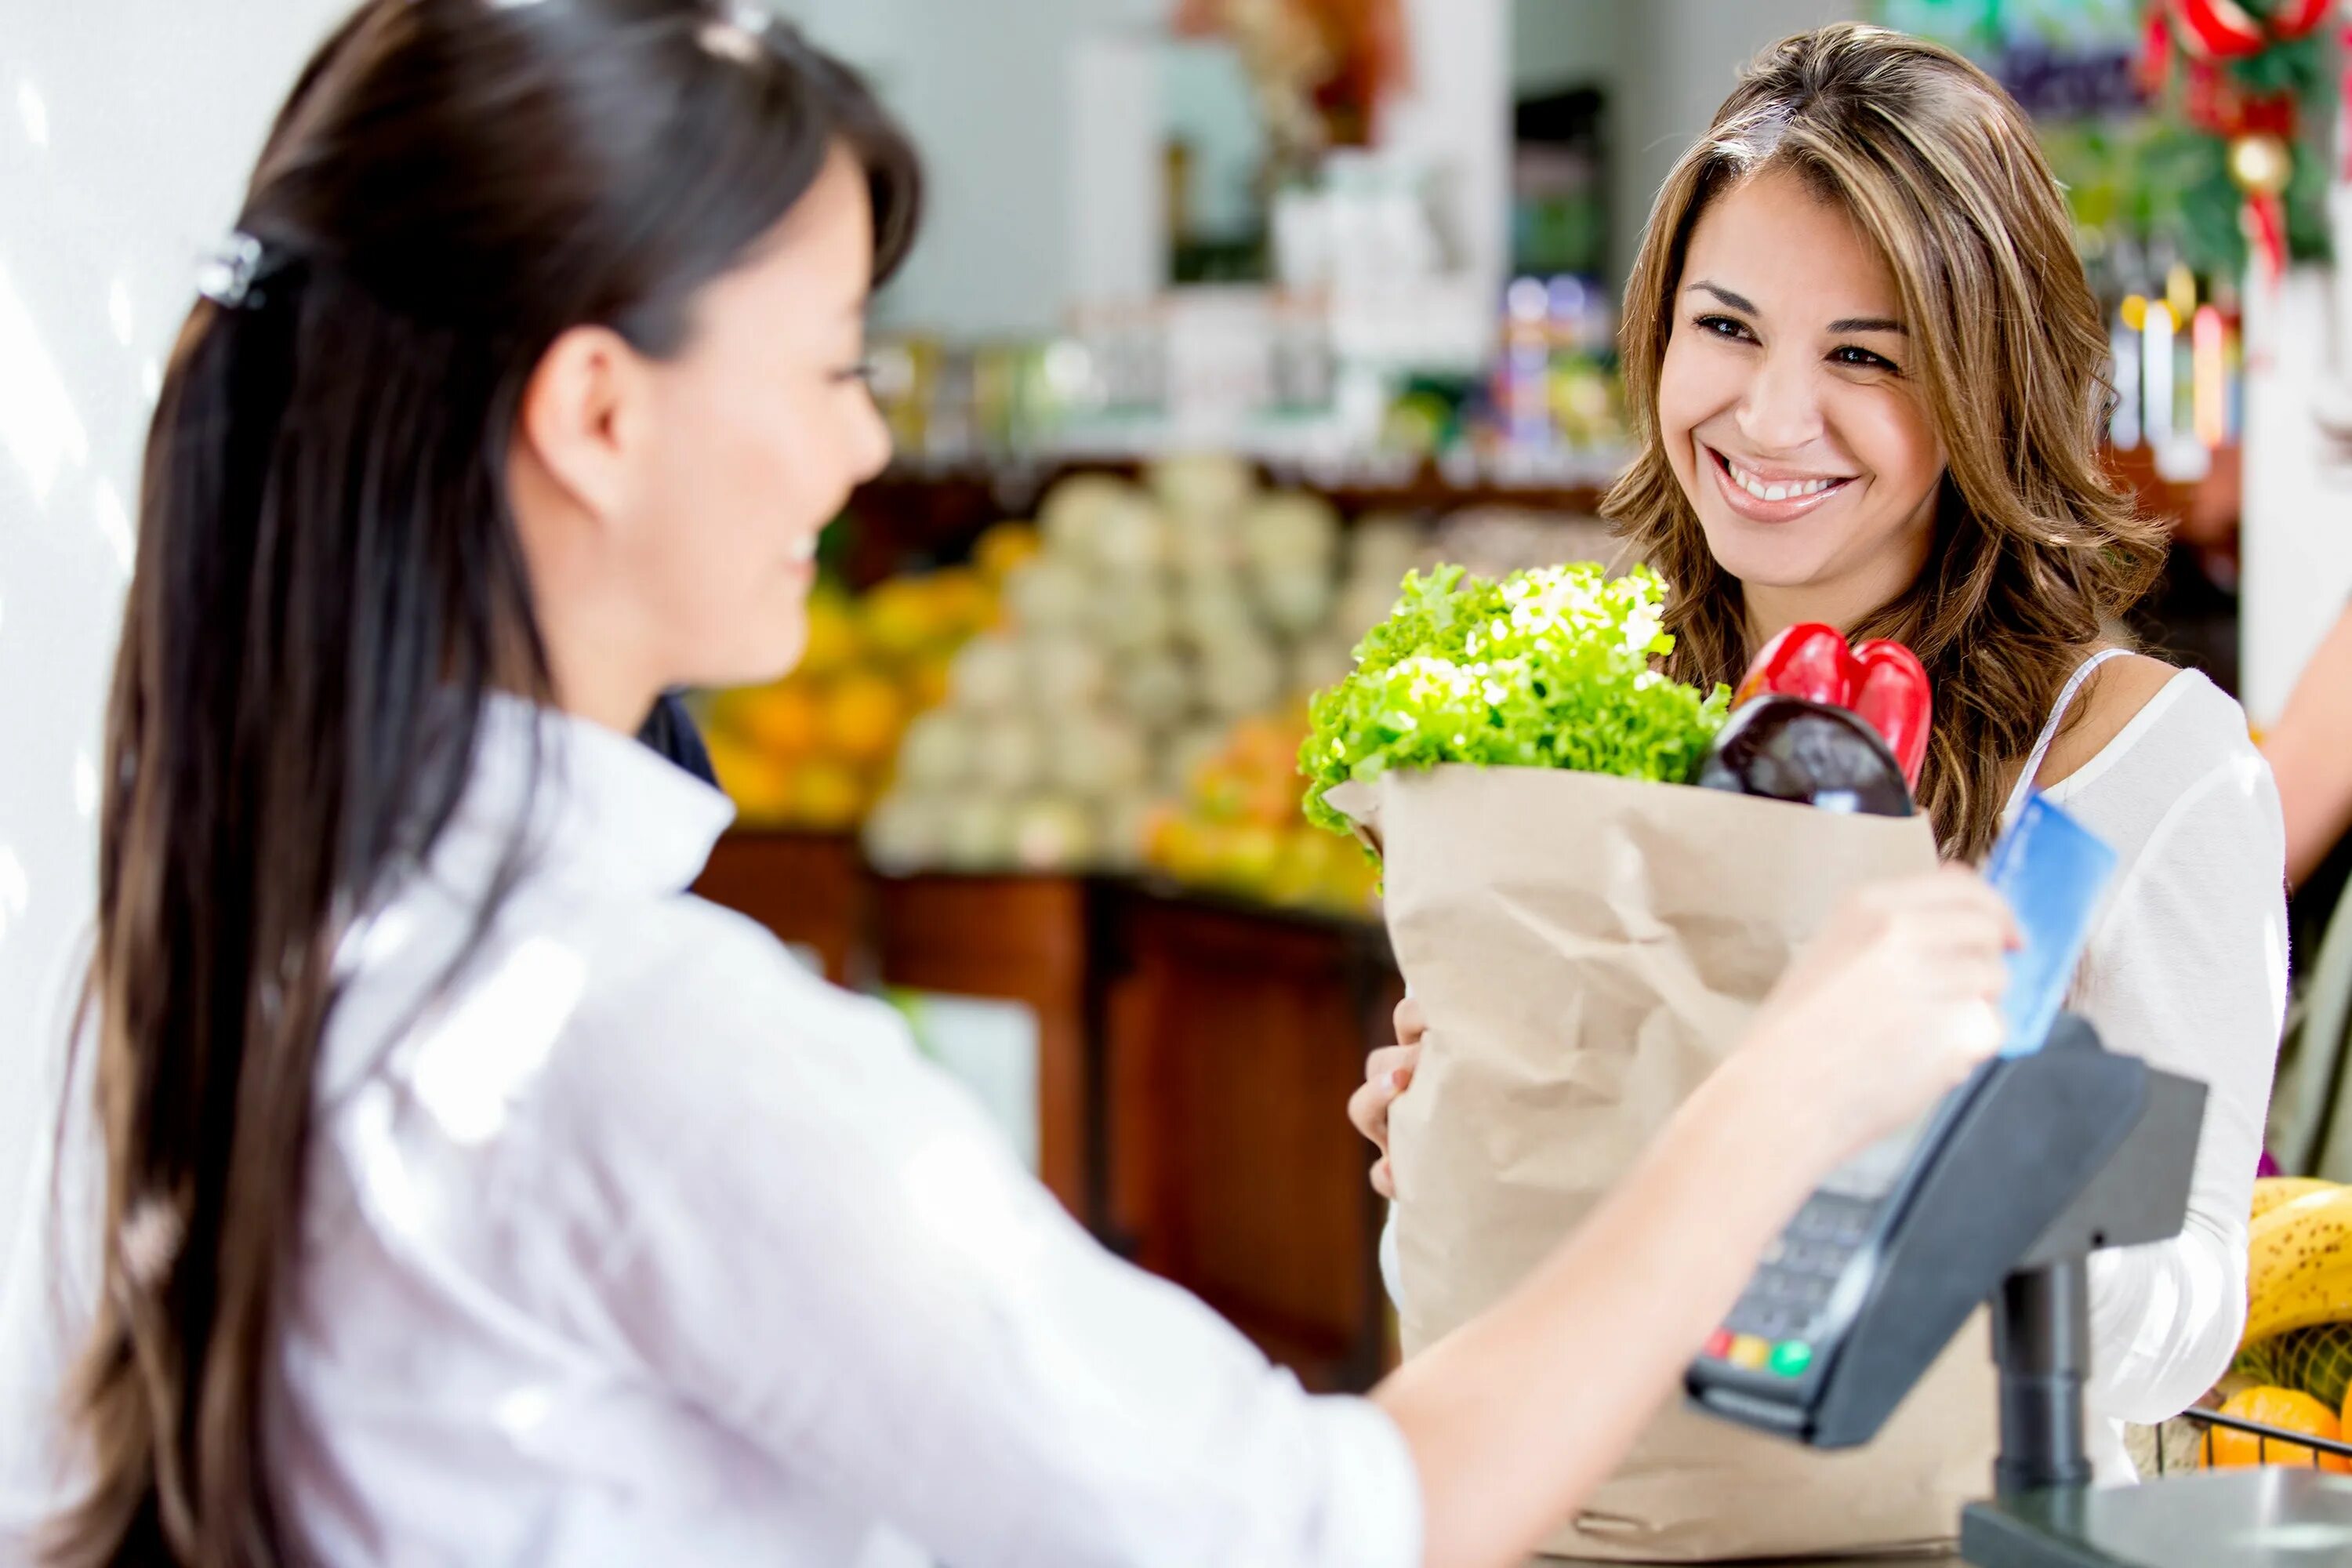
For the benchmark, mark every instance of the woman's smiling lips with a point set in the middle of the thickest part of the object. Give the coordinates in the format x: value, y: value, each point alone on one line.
x: 1766, y: 494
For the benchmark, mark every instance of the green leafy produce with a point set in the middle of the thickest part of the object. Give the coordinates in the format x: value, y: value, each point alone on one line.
x: 1549, y: 669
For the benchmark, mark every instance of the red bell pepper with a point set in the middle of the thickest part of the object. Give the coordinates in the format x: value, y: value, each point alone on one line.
x: 1807, y: 660
x: 1895, y: 697
x: 1881, y: 681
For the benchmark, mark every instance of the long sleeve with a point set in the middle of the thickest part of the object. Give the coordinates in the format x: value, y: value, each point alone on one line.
x: 2188, y: 970
x: 902, y: 1318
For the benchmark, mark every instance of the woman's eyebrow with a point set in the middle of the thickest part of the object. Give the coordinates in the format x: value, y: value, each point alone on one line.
x: 1734, y: 300
x: 1869, y: 324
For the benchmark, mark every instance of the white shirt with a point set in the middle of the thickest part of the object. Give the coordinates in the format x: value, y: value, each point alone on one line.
x: 642, y: 1245
x: 2187, y: 968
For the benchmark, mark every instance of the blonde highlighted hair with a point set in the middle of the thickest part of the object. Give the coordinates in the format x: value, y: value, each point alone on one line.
x: 2037, y: 551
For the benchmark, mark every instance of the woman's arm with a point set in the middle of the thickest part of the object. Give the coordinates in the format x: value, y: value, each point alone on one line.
x: 2310, y: 751
x: 822, y: 1246
x: 2188, y: 970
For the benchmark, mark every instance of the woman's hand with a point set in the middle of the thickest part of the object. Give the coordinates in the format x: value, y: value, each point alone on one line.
x: 1388, y: 1072
x: 1895, y: 1002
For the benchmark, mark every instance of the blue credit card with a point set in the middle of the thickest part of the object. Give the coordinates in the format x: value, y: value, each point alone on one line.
x: 2053, y: 872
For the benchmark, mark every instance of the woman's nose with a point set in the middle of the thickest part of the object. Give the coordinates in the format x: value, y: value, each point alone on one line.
x: 870, y: 440
x: 1781, y: 409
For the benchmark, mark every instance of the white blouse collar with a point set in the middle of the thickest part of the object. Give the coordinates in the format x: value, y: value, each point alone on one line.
x: 602, y: 807
x: 607, y: 815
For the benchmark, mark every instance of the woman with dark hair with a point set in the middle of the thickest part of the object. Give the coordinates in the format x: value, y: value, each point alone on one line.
x: 472, y: 1193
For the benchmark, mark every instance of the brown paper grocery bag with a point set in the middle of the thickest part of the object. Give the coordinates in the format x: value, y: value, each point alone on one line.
x: 1586, y: 949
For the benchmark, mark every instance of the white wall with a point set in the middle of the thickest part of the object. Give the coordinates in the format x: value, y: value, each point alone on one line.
x: 1455, y: 118
x: 984, y: 88
x: 126, y: 131
x: 1563, y: 43
x: 1685, y: 56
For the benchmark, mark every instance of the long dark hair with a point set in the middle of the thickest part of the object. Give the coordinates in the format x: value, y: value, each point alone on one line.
x: 2038, y: 553
x: 328, y: 582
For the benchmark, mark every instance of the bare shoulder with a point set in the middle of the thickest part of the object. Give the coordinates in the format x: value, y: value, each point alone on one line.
x: 2109, y: 701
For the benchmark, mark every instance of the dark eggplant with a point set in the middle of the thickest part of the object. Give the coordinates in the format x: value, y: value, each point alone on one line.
x: 1786, y: 748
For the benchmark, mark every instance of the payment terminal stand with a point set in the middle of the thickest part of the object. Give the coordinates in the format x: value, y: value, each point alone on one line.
x: 2000, y: 1196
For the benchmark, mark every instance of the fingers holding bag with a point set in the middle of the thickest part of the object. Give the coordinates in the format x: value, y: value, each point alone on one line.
x: 1388, y: 1073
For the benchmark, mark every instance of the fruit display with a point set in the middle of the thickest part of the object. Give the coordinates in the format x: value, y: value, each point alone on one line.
x: 2299, y: 1266
x: 2275, y: 1192
x: 2286, y: 1409
x: 2317, y: 1359
x: 813, y: 751
x: 1151, y: 619
x: 2293, y: 1369
x: 1237, y: 829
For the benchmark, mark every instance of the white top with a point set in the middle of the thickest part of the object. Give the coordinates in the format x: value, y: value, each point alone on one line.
x: 2187, y: 967
x: 646, y: 1247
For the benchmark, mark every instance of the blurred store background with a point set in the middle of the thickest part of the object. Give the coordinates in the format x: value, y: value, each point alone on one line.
x: 1230, y: 311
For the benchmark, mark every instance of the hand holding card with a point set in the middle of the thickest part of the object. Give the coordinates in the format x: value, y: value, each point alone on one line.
x: 2054, y: 873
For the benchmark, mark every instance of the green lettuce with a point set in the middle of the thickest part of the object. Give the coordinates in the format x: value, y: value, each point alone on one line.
x: 1547, y: 668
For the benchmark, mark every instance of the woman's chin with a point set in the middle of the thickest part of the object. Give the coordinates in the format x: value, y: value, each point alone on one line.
x: 1776, y: 560
x: 756, y: 667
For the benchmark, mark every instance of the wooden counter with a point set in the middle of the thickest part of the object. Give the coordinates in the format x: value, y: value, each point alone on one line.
x: 1236, y: 1036
x: 810, y: 889
x: 1030, y: 939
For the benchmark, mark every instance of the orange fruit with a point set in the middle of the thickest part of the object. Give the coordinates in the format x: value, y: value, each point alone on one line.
x: 1163, y: 834
x: 961, y: 601
x: 926, y: 682
x: 1004, y: 547
x: 781, y: 720
x: 826, y: 796
x: 903, y: 616
x: 863, y: 716
x: 2280, y: 1408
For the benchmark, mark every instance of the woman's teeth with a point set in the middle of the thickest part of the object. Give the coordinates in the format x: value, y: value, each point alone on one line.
x: 1786, y: 491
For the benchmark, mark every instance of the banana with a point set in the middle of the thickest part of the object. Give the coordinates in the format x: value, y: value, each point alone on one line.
x: 2299, y: 1265
x: 2275, y: 1192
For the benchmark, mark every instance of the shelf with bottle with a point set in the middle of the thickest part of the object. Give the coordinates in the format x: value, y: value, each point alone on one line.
x: 1346, y: 386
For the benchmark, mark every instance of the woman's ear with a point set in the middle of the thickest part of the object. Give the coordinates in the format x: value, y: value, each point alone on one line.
x: 583, y: 420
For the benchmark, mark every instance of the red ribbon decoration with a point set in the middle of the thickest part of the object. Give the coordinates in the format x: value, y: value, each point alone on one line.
x: 2344, y: 103
x: 2265, y: 221
x: 2155, y: 52
x: 2225, y: 30
x: 2296, y: 18
x: 2219, y: 29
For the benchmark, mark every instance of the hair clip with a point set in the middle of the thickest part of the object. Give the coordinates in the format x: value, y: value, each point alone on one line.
x: 228, y: 276
x: 739, y: 32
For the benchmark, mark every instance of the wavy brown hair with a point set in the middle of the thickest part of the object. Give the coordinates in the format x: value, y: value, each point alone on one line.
x: 329, y: 586
x: 2037, y: 552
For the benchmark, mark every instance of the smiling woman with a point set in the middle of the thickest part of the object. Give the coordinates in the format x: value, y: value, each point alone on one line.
x: 1867, y: 377
x: 1862, y: 283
